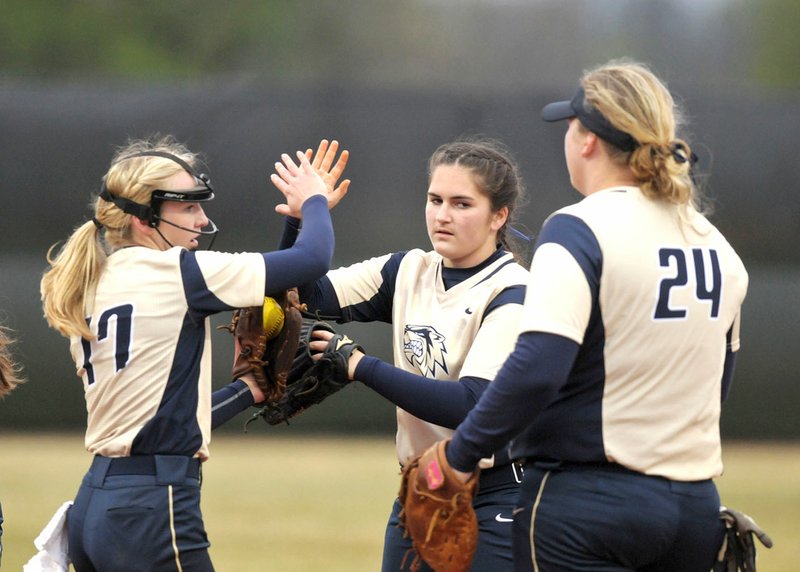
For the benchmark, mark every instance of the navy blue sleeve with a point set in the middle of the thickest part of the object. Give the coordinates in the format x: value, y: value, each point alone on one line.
x: 573, y: 234
x: 529, y: 379
x: 321, y: 298
x: 202, y: 302
x: 290, y: 229
x: 229, y: 401
x: 310, y: 256
x: 728, y: 367
x: 727, y: 373
x: 379, y: 307
x: 443, y: 403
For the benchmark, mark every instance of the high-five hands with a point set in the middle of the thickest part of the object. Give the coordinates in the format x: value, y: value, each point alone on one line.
x: 329, y: 169
x: 297, y: 182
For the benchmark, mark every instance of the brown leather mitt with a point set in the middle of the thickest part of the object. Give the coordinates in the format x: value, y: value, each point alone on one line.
x: 437, y: 512
x: 267, y: 337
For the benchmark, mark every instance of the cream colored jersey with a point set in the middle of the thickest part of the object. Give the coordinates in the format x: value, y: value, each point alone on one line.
x: 654, y: 302
x: 147, y: 374
x: 443, y: 334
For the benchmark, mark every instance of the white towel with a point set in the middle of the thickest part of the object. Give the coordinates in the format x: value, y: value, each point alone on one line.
x: 52, y: 545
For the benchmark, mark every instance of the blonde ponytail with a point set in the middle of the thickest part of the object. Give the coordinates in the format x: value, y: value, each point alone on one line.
x: 73, y: 274
x: 68, y: 287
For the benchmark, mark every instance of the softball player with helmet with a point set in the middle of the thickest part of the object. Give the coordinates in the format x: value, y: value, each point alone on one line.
x: 630, y: 330
x: 454, y: 313
x: 134, y: 297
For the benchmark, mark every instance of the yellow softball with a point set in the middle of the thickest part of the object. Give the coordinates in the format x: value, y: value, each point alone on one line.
x: 273, y: 317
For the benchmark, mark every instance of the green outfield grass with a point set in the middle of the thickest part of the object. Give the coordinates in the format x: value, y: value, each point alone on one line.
x: 300, y: 504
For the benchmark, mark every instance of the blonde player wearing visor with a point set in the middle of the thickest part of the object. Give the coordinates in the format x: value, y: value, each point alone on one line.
x: 133, y: 295
x: 630, y: 329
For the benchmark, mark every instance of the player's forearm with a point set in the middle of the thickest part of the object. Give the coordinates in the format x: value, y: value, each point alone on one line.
x: 441, y: 402
x: 310, y: 256
x: 529, y: 379
x: 229, y: 401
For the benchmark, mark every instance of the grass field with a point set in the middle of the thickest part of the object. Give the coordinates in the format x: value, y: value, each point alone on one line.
x: 301, y: 504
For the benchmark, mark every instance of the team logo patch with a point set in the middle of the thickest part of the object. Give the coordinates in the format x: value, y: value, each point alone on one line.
x: 424, y: 348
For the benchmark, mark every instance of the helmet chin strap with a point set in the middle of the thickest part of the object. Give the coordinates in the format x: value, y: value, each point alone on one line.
x: 212, y: 231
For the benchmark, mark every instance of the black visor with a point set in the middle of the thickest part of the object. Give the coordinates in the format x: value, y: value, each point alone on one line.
x: 198, y: 194
x: 201, y: 192
x: 590, y: 118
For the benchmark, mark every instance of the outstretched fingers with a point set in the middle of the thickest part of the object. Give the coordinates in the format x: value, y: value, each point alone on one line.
x: 297, y: 181
x: 323, y: 162
x: 289, y: 172
x: 330, y: 168
x: 289, y: 163
x: 305, y: 166
x: 338, y: 193
x: 338, y: 168
x: 321, y: 155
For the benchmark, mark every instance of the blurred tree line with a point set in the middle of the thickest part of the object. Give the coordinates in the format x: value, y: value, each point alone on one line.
x: 401, y: 42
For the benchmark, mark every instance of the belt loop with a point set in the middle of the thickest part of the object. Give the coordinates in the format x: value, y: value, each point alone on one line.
x: 99, y: 469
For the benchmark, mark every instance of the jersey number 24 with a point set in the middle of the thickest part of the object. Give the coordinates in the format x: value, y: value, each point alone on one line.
x: 705, y: 289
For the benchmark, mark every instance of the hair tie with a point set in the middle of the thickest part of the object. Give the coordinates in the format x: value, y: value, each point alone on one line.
x: 679, y: 153
x: 97, y: 223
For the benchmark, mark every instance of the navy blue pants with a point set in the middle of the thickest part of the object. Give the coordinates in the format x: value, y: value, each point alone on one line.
x: 139, y: 514
x: 614, y: 520
x: 498, y: 490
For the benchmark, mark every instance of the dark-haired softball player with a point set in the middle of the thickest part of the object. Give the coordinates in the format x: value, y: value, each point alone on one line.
x: 612, y: 394
x: 133, y: 295
x: 454, y: 313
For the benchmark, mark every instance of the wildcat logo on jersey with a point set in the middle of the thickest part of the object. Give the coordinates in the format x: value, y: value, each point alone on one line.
x: 424, y: 347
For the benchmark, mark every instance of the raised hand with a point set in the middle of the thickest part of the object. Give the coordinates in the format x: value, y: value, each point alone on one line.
x: 297, y: 183
x: 322, y: 161
x: 329, y: 169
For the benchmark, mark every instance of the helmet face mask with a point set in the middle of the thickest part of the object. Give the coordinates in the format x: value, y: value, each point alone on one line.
x: 201, y: 192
